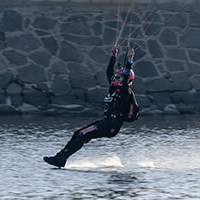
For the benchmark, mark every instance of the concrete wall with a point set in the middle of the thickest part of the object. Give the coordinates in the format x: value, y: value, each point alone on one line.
x: 51, y: 54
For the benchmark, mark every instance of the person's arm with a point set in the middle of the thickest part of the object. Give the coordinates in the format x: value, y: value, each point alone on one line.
x: 110, y: 69
x: 129, y: 63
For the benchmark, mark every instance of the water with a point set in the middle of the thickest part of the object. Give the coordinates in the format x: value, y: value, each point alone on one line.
x: 153, y: 158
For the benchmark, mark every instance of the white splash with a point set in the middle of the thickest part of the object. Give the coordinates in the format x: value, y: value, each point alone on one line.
x: 96, y: 161
x: 147, y: 164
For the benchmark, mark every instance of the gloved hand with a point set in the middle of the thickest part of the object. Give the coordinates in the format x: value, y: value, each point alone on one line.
x: 131, y: 54
x: 114, y: 51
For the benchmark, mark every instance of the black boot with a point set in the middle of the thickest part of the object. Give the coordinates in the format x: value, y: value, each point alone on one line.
x: 58, y: 160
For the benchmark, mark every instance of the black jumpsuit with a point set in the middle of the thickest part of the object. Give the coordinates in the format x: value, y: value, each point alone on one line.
x: 115, y: 103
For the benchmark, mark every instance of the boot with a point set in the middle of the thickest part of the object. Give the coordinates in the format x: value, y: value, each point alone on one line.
x: 58, y: 160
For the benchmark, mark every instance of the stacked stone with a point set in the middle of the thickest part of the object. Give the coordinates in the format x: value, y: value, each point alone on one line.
x: 60, y: 58
x: 169, y: 71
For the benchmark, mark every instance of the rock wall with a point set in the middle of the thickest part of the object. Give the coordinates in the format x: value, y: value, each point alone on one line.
x: 59, y: 57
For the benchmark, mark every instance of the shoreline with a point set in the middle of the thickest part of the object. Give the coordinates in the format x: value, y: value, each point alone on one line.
x: 75, y: 110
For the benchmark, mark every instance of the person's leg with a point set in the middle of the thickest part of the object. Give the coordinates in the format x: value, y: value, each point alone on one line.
x: 76, y: 133
x: 103, y: 128
x: 75, y: 143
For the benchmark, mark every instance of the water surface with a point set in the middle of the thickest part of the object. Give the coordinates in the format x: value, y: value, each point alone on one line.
x: 152, y: 158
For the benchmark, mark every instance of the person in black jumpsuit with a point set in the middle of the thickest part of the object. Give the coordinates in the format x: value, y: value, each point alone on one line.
x: 115, y: 104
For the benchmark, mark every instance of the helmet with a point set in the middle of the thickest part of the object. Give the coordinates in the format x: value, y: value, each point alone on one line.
x: 119, y: 73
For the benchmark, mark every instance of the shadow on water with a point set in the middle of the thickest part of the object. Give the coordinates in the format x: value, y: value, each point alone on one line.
x: 152, y: 158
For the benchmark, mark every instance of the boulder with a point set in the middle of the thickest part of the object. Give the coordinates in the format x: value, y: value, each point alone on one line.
x: 183, y: 109
x: 5, y: 79
x: 41, y: 57
x: 70, y: 53
x: 152, y: 110
x: 16, y: 100
x: 25, y: 42
x: 14, y: 91
x: 60, y: 67
x: 50, y: 44
x: 157, y: 112
x: 32, y: 74
x: 138, y: 54
x: 28, y: 109
x: 42, y: 86
x: 80, y: 95
x: 155, y: 49
x: 162, y: 70
x: 174, y: 65
x: 7, y: 109
x: 81, y: 77
x: 180, y: 81
x: 176, y: 54
x: 2, y: 64
x: 98, y: 55
x: 35, y: 98
x: 14, y: 88
x: 143, y: 100
x: 195, y: 81
x: 94, y: 67
x: 27, y: 22
x: 194, y: 19
x: 145, y: 69
x: 96, y: 95
x: 15, y: 58
x: 102, y: 79
x: 11, y: 21
x: 97, y: 28
x: 152, y: 29
x: 44, y: 23
x: 60, y: 86
x: 81, y: 18
x: 108, y: 36
x: 158, y: 85
x: 56, y: 111
x: 168, y: 37
x: 189, y: 99
x: 179, y: 20
x: 2, y: 40
x: 138, y: 86
x: 2, y: 96
x: 162, y: 99
x: 2, y: 45
x: 2, y: 36
x: 193, y: 69
x: 171, y: 109
x: 75, y: 28
x: 71, y: 111
x: 71, y: 107
x: 63, y: 99
x: 191, y: 39
x: 194, y: 55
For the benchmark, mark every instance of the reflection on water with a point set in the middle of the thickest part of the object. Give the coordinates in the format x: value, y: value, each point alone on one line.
x: 153, y: 158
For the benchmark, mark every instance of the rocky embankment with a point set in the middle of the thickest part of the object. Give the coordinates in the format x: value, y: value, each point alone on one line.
x: 54, y: 62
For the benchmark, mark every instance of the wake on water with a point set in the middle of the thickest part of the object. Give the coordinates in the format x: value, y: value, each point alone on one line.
x: 94, y: 162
